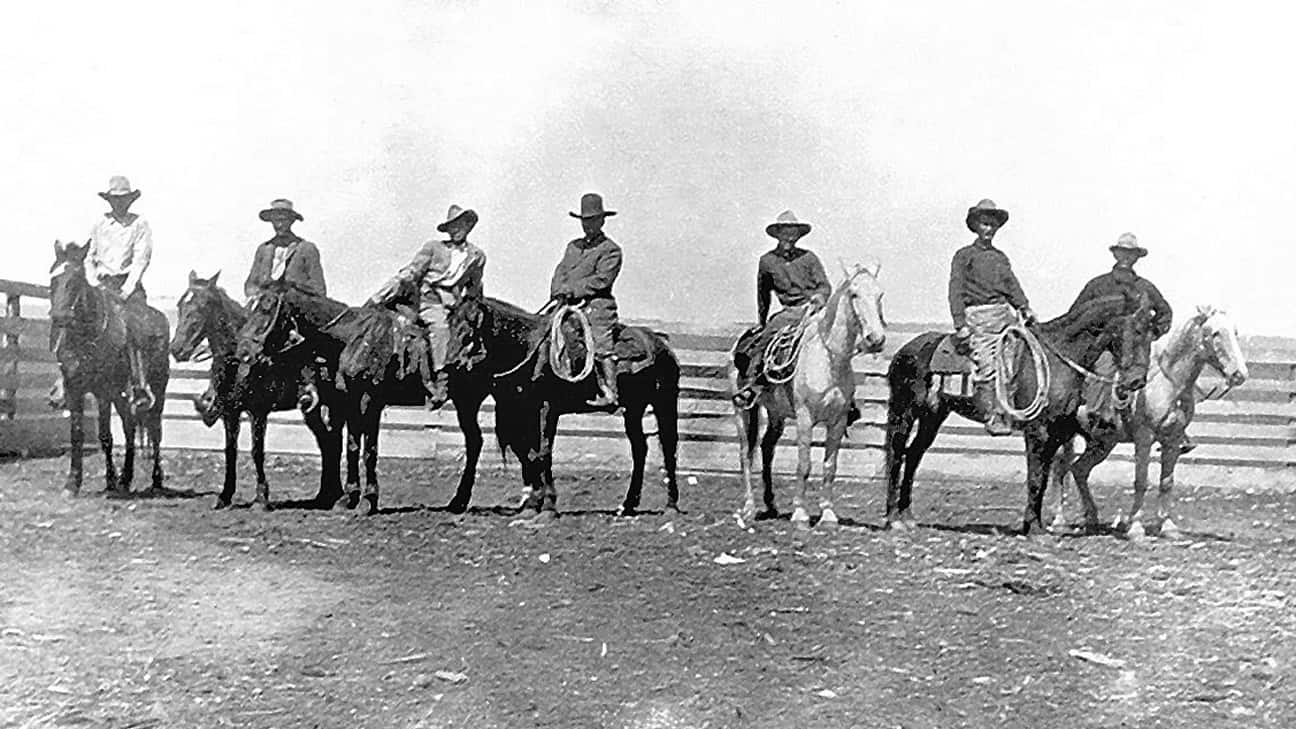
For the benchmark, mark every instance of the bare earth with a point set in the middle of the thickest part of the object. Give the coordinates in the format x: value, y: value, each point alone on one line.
x: 161, y: 613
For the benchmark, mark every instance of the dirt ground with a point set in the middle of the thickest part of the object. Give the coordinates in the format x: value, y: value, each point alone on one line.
x: 162, y: 613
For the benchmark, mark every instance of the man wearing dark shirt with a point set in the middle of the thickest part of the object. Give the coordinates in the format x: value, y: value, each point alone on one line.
x: 984, y: 299
x: 797, y: 278
x: 286, y: 256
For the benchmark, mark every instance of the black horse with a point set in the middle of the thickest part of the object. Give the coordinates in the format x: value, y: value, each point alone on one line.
x: 205, y: 311
x: 375, y: 372
x: 530, y: 397
x: 90, y: 338
x: 1071, y: 344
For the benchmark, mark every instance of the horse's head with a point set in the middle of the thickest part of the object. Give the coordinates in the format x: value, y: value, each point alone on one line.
x: 1218, y: 344
x: 864, y: 294
x: 68, y: 284
x: 199, y: 309
x: 1131, y: 335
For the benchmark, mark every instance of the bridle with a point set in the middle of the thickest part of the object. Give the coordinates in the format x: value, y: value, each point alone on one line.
x: 1200, y: 343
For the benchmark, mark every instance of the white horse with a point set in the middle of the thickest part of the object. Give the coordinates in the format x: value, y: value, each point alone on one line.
x: 1161, y: 413
x: 821, y: 390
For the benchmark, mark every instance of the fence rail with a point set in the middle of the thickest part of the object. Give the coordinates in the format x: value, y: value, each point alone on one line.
x: 1254, y: 427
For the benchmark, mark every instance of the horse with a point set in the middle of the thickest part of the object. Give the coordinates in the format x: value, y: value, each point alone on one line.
x: 372, y: 378
x: 206, y: 312
x: 530, y: 397
x: 90, y: 339
x: 821, y: 390
x: 1160, y: 413
x: 1069, y: 345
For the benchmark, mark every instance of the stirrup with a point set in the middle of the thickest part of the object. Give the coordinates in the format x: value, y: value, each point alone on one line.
x: 745, y: 399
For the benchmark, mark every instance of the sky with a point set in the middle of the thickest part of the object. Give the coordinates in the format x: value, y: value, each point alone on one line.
x: 879, y: 123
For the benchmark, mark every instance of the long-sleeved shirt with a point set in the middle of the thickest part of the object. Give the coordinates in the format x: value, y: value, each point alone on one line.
x: 298, y: 264
x: 1119, y: 281
x: 444, y: 272
x: 117, y: 249
x: 588, y: 269
x: 981, y: 274
x: 794, y: 276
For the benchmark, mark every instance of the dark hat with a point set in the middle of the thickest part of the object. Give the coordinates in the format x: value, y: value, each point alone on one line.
x: 119, y: 186
x: 592, y: 207
x: 1128, y: 242
x: 468, y: 214
x: 280, y: 208
x: 986, y: 209
x: 787, y: 219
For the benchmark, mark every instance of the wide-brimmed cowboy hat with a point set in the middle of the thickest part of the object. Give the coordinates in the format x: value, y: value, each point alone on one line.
x: 1128, y: 242
x: 592, y: 207
x: 787, y: 219
x: 118, y: 187
x: 986, y: 209
x: 280, y: 208
x: 468, y: 214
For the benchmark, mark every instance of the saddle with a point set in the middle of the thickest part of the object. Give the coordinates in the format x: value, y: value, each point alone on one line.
x: 952, y: 367
x: 769, y: 351
x: 633, y: 348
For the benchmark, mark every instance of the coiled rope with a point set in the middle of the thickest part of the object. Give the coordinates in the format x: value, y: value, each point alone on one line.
x: 557, y: 362
x: 788, y: 339
x: 1043, y: 373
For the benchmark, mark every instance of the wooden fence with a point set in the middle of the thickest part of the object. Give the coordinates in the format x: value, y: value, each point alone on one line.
x: 1254, y: 427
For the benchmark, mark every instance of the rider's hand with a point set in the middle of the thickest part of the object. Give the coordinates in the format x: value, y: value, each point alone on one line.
x: 963, y: 332
x: 818, y: 301
x: 1029, y: 315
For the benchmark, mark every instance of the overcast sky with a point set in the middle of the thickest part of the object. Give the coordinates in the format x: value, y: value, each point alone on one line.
x: 880, y: 123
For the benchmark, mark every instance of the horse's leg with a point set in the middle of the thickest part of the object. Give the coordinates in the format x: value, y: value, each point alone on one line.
x: 1042, y: 443
x: 154, y: 430
x: 354, y: 441
x: 832, y: 445
x: 666, y: 412
x: 929, y: 422
x: 232, y: 424
x: 769, y: 442
x: 74, y: 401
x: 372, y: 427
x: 106, y: 441
x: 1165, y: 493
x: 898, y: 429
x: 748, y: 422
x: 328, y: 439
x: 1142, y: 454
x: 549, y: 493
x: 805, y: 433
x: 1062, y: 464
x: 259, y: 422
x: 467, y: 409
x: 126, y: 412
x: 1096, y: 451
x: 634, y: 431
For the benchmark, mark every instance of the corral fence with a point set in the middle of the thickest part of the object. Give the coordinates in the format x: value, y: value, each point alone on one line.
x: 1253, y: 427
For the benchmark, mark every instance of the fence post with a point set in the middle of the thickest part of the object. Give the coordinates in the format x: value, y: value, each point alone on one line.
x: 9, y: 395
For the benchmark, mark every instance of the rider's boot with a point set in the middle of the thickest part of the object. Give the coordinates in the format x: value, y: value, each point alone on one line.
x: 1187, y: 444
x: 607, y: 397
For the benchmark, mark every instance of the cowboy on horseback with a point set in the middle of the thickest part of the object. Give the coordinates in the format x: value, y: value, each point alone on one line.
x: 1099, y: 404
x: 584, y: 276
x: 796, y: 276
x: 121, y: 246
x: 984, y: 299
x: 286, y: 257
x: 445, y: 272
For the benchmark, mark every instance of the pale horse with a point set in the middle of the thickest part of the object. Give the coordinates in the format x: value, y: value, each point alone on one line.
x: 1161, y: 412
x: 820, y: 391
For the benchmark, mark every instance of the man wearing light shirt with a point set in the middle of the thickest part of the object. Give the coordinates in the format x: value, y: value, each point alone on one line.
x: 121, y: 245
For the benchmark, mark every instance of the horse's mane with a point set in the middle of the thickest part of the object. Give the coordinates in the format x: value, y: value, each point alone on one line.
x: 231, y: 310
x: 1091, y: 315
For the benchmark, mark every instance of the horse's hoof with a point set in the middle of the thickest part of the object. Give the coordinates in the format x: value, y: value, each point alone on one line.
x: 673, y: 507
x: 1170, y: 531
x: 71, y: 492
x: 544, y: 518
x: 348, y: 501
x: 898, y: 525
x: 828, y: 521
x: 626, y: 510
x: 457, y: 507
x: 221, y: 503
x: 800, y: 519
x: 263, y: 506
x: 1136, y: 532
x: 370, y: 505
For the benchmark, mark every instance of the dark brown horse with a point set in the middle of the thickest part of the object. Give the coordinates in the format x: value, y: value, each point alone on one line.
x: 206, y: 312
x: 373, y: 377
x: 94, y: 350
x: 530, y: 399
x: 1071, y: 344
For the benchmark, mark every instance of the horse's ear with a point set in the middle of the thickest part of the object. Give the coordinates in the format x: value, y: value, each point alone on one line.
x: 873, y: 268
x: 193, y: 277
x: 58, y: 250
x: 211, y: 282
x: 846, y: 271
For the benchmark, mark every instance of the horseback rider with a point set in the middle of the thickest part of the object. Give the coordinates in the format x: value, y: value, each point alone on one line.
x: 446, y: 272
x: 796, y: 276
x: 985, y: 298
x: 585, y: 275
x: 286, y: 257
x: 1122, y: 280
x: 121, y: 246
